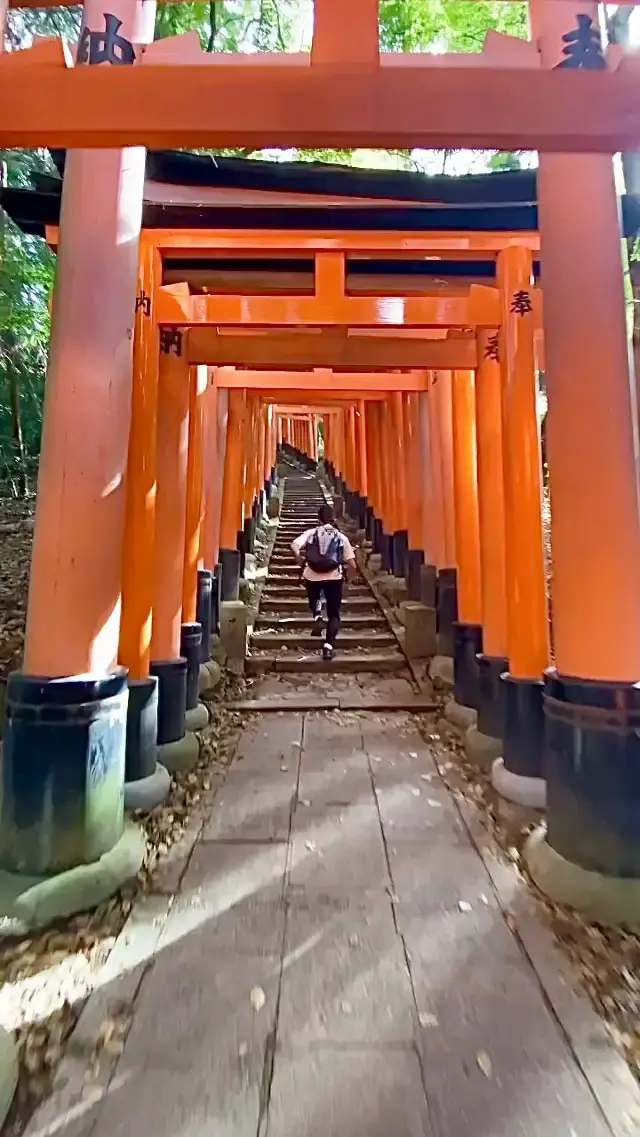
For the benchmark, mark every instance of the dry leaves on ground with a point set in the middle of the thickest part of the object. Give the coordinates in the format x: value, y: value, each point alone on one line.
x: 605, y: 961
x: 45, y: 978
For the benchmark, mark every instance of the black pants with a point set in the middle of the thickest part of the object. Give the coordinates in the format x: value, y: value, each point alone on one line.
x: 332, y: 590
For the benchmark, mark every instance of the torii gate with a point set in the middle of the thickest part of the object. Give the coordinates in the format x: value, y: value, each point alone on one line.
x: 515, y: 94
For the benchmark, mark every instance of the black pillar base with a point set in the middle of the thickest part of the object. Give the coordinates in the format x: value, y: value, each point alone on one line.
x: 204, y: 613
x: 447, y: 609
x: 142, y: 729
x: 62, y: 773
x: 362, y: 512
x: 378, y: 536
x: 250, y: 530
x: 592, y: 766
x: 216, y: 597
x: 230, y: 561
x: 241, y: 546
x: 399, y: 553
x: 190, y: 642
x: 415, y: 561
x: 467, y: 643
x: 523, y: 738
x: 428, y: 585
x: 386, y: 553
x: 491, y: 694
x: 369, y: 524
x: 172, y: 698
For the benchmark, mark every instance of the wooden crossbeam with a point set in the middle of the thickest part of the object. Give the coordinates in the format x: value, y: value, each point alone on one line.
x: 343, y: 353
x: 275, y: 105
x: 326, y: 383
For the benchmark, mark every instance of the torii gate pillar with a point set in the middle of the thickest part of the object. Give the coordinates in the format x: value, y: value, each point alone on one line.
x: 591, y: 855
x: 64, y: 750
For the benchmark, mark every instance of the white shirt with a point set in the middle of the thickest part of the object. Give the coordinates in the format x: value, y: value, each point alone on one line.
x: 328, y: 530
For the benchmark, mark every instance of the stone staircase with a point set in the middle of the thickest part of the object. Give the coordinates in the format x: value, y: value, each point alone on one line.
x: 281, y: 639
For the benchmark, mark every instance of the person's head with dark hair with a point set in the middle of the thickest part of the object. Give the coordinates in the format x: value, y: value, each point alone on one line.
x: 325, y: 514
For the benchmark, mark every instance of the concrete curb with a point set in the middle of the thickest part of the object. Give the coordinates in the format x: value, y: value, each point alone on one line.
x: 460, y: 716
x: 33, y: 902
x: 441, y: 672
x: 181, y: 756
x: 609, y: 900
x: 196, y: 718
x: 147, y: 793
x: 482, y: 749
x: 530, y: 792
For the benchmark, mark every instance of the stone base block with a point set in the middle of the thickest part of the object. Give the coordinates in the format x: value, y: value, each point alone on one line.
x: 273, y: 506
x: 608, y: 900
x: 212, y: 676
x: 521, y: 790
x: 420, y: 629
x: 441, y: 672
x: 197, y: 718
x: 29, y: 903
x: 180, y: 756
x: 460, y: 716
x: 217, y: 652
x: 8, y: 1072
x: 147, y: 793
x: 233, y: 629
x: 482, y: 749
x: 393, y: 588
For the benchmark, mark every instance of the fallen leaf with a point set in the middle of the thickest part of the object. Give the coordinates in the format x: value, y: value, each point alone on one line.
x: 484, y: 1063
x: 428, y: 1020
x: 258, y: 999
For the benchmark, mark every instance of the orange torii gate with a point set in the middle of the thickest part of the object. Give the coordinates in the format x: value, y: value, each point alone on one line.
x: 514, y: 94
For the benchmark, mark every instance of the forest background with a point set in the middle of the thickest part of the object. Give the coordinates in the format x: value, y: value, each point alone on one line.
x: 27, y: 266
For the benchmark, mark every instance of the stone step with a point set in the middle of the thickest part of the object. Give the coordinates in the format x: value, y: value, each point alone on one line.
x: 285, y: 604
x: 284, y: 572
x: 288, y: 586
x: 302, y: 621
x: 278, y: 641
x: 354, y: 664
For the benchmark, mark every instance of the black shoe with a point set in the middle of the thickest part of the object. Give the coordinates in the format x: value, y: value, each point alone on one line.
x: 327, y: 651
x: 318, y: 626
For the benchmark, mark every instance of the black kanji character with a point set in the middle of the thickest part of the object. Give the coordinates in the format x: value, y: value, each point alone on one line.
x: 492, y: 348
x: 143, y: 302
x: 170, y: 339
x: 106, y: 46
x: 583, y: 46
x: 521, y: 303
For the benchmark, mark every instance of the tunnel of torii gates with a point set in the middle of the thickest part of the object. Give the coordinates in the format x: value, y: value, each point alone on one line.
x: 164, y: 403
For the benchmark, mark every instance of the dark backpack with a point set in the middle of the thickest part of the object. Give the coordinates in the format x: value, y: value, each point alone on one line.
x: 325, y: 562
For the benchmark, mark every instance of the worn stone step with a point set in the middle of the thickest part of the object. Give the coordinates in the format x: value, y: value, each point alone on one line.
x: 271, y: 592
x: 301, y: 621
x: 299, y: 604
x: 279, y: 640
x: 354, y: 664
